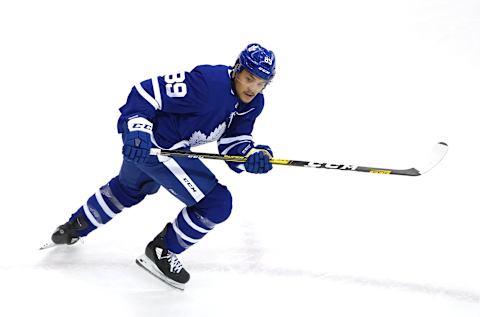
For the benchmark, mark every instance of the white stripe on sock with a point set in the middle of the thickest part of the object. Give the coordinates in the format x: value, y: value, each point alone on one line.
x: 104, y: 205
x: 191, y: 223
x: 91, y: 217
x: 183, y: 235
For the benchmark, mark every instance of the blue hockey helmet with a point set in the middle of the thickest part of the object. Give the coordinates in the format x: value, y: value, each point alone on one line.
x: 257, y: 60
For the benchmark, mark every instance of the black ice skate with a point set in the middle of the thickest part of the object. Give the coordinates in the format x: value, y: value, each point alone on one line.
x: 67, y: 233
x: 162, y: 263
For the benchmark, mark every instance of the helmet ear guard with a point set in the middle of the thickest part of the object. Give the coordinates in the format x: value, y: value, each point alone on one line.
x: 237, y: 68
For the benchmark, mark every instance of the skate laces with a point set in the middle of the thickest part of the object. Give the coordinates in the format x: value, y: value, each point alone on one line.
x: 175, y: 265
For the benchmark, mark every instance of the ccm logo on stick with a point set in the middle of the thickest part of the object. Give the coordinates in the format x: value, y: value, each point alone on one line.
x: 332, y: 166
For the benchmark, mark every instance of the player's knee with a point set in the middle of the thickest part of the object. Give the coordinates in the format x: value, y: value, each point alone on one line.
x: 149, y: 187
x: 225, y: 205
x: 217, y: 205
x: 128, y: 196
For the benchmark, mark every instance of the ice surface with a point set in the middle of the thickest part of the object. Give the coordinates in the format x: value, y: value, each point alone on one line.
x: 371, y: 83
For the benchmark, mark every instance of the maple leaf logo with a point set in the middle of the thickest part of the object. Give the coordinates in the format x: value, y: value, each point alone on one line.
x: 199, y: 138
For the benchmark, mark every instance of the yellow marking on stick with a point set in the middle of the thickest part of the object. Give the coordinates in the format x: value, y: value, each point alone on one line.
x: 380, y: 171
x: 235, y: 158
x: 279, y: 161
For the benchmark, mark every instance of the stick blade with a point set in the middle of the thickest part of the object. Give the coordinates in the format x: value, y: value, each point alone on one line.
x: 438, y: 153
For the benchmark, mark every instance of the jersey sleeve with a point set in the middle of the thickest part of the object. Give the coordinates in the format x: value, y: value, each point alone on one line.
x: 237, y: 139
x: 180, y: 93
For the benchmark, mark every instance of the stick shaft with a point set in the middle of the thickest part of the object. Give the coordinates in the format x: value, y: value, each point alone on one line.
x: 242, y: 159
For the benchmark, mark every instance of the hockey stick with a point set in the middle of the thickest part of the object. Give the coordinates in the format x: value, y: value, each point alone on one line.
x: 439, y: 151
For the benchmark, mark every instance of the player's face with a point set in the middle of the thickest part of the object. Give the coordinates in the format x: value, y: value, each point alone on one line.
x: 248, y: 85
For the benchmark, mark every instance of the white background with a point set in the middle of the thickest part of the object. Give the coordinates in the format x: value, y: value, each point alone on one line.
x: 373, y: 83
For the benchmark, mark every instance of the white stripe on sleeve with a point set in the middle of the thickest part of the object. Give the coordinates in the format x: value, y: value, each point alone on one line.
x: 232, y: 146
x: 235, y: 138
x: 156, y: 92
x: 146, y: 96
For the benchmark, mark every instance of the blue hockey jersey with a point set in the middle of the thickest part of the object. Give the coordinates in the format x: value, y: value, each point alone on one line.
x: 188, y: 109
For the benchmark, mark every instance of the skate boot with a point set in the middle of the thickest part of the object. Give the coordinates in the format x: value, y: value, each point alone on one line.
x: 68, y: 232
x: 162, y: 263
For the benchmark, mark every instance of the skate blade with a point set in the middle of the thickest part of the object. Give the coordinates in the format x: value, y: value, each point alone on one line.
x: 51, y: 244
x: 48, y: 245
x: 150, y: 267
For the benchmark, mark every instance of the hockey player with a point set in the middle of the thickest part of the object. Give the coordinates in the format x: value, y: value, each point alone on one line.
x: 180, y: 111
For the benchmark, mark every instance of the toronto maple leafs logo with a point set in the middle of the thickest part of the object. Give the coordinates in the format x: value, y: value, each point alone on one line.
x: 199, y: 138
